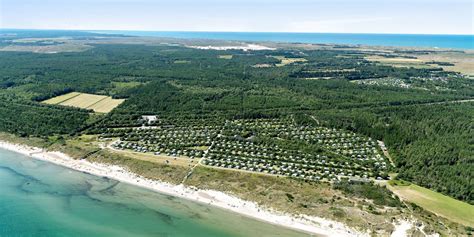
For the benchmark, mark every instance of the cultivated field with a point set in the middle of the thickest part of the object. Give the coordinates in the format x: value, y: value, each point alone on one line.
x: 225, y: 56
x: 399, y: 62
x: 463, y: 61
x: 437, y: 203
x: 286, y: 61
x: 46, y: 45
x: 106, y: 105
x: 98, y: 103
x: 61, y: 98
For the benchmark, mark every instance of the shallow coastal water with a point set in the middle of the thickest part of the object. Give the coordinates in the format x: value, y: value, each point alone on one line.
x: 42, y: 199
x: 399, y: 40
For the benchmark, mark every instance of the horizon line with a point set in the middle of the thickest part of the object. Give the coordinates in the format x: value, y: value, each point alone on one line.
x: 203, y: 31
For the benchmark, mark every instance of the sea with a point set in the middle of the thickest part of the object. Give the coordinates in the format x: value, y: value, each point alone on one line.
x: 38, y: 198
x: 397, y: 40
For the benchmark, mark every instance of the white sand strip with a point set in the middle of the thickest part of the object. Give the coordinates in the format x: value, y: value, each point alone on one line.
x: 310, y: 224
x: 248, y: 47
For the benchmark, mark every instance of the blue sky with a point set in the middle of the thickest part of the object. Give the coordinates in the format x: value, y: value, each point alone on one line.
x: 341, y: 16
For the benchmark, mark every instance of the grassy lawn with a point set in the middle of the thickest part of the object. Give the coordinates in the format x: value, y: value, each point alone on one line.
x: 437, y: 203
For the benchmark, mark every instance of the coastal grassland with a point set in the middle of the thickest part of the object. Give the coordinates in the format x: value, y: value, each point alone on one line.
x: 463, y: 61
x: 457, y: 61
x: 46, y: 45
x: 173, y: 174
x: 159, y: 159
x: 79, y: 147
x: 84, y: 146
x: 399, y: 61
x: 296, y: 197
x: 379, y: 194
x: 29, y: 141
x: 97, y: 103
x: 365, y: 206
x: 437, y: 203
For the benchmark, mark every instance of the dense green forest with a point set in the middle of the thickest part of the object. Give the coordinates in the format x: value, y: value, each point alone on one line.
x: 430, y: 139
x: 432, y: 144
x: 27, y: 118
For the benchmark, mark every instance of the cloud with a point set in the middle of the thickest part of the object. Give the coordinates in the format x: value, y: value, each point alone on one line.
x: 333, y: 25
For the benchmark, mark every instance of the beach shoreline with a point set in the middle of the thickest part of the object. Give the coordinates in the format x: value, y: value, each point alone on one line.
x: 308, y: 224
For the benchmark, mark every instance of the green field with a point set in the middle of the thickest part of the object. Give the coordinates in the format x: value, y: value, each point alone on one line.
x: 98, y: 103
x: 437, y: 203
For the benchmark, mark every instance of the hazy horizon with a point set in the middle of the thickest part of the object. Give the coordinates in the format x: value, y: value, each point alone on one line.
x: 279, y: 16
x: 197, y: 31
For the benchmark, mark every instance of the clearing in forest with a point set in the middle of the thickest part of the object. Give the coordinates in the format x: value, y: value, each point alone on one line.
x: 98, y: 103
x: 450, y: 208
x: 225, y: 56
x: 399, y: 62
x: 286, y: 61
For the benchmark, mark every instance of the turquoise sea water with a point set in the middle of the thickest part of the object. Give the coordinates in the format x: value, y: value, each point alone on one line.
x: 42, y: 199
x: 405, y: 40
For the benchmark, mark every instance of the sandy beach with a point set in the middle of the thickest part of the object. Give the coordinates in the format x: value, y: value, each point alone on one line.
x: 248, y: 47
x: 309, y: 224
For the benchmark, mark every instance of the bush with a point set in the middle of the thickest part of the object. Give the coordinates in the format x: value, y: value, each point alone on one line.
x: 380, y: 195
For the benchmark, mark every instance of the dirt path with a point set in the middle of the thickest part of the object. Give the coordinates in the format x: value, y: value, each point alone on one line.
x: 314, y: 118
x: 453, y: 101
x: 385, y: 152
